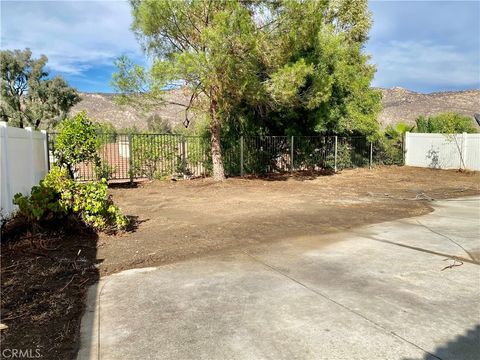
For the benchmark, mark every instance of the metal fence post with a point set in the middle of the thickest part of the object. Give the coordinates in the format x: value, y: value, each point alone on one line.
x: 371, y: 155
x: 183, y: 150
x: 130, y: 157
x: 291, y: 155
x: 241, y: 156
x: 336, y: 151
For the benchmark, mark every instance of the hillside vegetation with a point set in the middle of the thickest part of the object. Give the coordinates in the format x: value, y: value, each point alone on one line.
x: 404, y: 105
x: 398, y: 105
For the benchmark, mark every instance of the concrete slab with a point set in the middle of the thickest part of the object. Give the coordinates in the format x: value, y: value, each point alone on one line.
x: 377, y: 292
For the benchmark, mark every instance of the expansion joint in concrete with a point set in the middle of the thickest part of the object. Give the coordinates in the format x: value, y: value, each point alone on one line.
x: 392, y: 333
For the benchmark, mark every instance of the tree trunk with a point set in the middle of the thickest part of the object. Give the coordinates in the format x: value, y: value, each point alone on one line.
x: 217, y: 160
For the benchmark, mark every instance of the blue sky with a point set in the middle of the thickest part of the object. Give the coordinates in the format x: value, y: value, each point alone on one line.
x: 424, y: 46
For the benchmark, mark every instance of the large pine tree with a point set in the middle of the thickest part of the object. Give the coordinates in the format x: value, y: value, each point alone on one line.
x: 268, y: 59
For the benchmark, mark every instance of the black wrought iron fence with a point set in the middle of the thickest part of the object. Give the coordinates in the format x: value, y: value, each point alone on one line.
x: 265, y: 154
x: 313, y: 152
x: 353, y: 152
x: 157, y: 156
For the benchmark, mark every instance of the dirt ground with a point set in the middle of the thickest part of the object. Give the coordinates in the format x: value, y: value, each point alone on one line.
x: 182, y: 219
x: 44, y: 280
x: 43, y: 286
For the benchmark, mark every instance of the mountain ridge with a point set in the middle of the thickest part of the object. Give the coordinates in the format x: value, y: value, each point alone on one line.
x: 399, y: 104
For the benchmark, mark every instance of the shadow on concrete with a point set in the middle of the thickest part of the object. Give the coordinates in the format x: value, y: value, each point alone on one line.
x: 463, y: 347
x: 416, y: 248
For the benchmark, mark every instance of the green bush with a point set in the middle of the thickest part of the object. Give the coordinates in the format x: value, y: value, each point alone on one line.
x: 103, y: 170
x: 156, y: 156
x: 42, y: 204
x: 95, y: 207
x: 388, y: 151
x: 446, y: 123
x: 397, y: 131
x: 57, y: 179
x: 58, y: 195
x: 76, y: 142
x: 344, y: 157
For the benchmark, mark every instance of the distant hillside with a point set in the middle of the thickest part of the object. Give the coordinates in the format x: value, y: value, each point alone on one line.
x: 103, y: 108
x: 404, y: 105
x: 398, y: 105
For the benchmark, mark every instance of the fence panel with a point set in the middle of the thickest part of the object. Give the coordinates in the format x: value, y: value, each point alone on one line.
x: 313, y: 153
x: 113, y: 158
x: 443, y: 151
x: 353, y: 152
x: 24, y: 162
x: 197, y: 156
x: 157, y: 156
x: 472, y: 151
x: 266, y: 154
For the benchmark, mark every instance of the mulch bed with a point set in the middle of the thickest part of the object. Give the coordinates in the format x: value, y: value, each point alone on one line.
x: 44, y: 281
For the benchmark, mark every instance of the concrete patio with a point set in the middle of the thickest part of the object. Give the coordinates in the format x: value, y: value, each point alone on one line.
x: 375, y: 292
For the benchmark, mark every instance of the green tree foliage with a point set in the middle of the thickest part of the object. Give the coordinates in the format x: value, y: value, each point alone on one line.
x: 293, y: 67
x: 446, y: 123
x: 318, y: 50
x: 28, y: 96
x: 158, y: 125
x: 398, y: 130
x: 76, y: 142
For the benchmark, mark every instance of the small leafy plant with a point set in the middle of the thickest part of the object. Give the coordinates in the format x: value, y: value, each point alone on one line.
x: 42, y: 204
x: 58, y: 195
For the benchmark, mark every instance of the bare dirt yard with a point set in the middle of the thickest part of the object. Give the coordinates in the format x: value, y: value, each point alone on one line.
x: 44, y: 280
x: 183, y: 219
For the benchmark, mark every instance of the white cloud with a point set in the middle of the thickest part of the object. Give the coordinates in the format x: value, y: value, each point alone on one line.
x: 75, y: 35
x: 414, y: 44
x: 426, y: 45
x: 410, y: 63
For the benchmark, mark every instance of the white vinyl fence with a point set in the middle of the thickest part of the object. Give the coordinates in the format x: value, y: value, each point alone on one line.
x: 23, y: 160
x: 443, y: 151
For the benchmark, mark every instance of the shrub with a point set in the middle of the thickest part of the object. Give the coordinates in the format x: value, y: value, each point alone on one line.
x: 446, y: 123
x: 344, y: 157
x: 57, y: 179
x: 388, y: 151
x: 94, y: 206
x: 76, y: 142
x: 58, y: 195
x: 155, y: 156
x: 42, y: 204
x: 103, y: 170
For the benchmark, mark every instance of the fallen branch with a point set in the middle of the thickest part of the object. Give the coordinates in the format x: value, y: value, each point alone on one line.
x: 67, y: 284
x: 460, y: 263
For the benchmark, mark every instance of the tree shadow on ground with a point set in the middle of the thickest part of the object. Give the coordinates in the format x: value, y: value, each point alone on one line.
x: 124, y: 185
x: 461, y: 347
x: 134, y: 222
x: 301, y: 175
